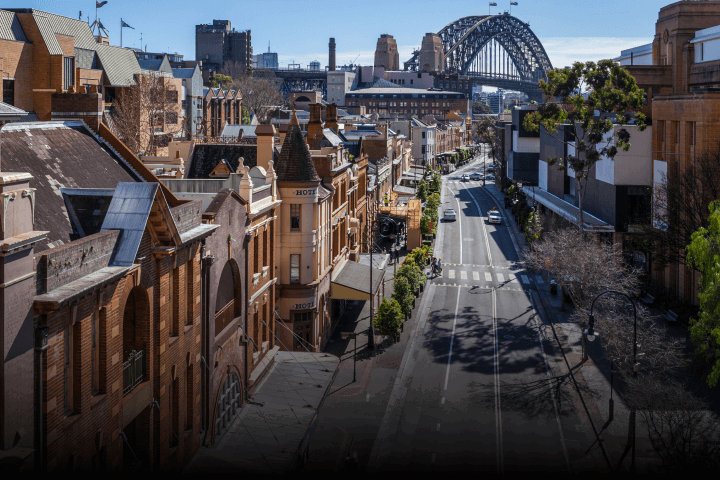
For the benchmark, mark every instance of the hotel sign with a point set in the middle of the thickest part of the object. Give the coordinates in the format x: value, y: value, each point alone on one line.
x: 305, y: 193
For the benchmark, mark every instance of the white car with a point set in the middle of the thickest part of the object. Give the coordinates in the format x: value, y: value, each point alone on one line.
x: 490, y: 168
x: 475, y: 177
x: 449, y: 215
x: 465, y: 177
x: 494, y: 217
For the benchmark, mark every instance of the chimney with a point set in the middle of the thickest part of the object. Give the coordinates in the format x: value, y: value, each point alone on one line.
x: 332, y: 55
x: 315, y: 127
x: 331, y: 121
x: 265, y: 145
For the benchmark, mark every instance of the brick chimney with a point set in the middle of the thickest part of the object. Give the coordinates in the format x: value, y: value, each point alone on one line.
x: 265, y: 145
x: 331, y: 121
x: 78, y: 106
x: 315, y: 127
x: 331, y: 63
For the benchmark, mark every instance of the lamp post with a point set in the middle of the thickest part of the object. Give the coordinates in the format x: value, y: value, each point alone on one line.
x: 590, y: 335
x: 370, y: 245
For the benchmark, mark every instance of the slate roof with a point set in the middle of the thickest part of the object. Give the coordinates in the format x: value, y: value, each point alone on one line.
x: 10, y: 28
x: 234, y: 130
x: 183, y: 72
x: 295, y: 162
x: 60, y: 154
x: 205, y: 158
x: 150, y: 64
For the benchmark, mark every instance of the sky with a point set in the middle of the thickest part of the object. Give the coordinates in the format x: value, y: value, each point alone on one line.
x: 570, y: 30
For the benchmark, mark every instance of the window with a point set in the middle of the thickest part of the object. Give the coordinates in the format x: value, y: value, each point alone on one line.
x: 303, y: 316
x: 189, y: 293
x: 294, y: 268
x: 423, y: 134
x: 295, y: 217
x: 171, y: 302
x: 256, y: 254
x: 94, y: 355
x: 68, y: 72
x: 9, y: 91
x: 691, y: 133
x: 68, y: 372
x: 266, y: 247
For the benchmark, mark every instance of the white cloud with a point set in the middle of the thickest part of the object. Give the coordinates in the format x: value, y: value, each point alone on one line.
x: 563, y: 51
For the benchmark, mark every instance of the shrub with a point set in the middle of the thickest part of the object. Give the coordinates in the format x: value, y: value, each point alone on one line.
x: 389, y: 319
x: 403, y: 294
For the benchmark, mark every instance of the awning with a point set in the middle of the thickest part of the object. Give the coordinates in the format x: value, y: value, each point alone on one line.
x: 353, y: 282
x: 567, y: 210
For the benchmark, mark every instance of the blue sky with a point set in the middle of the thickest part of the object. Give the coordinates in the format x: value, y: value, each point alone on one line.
x: 570, y: 30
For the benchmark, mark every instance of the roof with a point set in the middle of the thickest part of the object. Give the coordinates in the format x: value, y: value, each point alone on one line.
x: 205, y: 158
x: 183, y: 72
x: 120, y: 64
x: 129, y: 212
x: 234, y: 131
x: 412, y: 92
x: 295, y: 162
x: 30, y: 117
x: 10, y: 110
x: 357, y: 277
x: 60, y: 154
x: 48, y: 34
x: 333, y: 138
x: 10, y: 28
x: 150, y: 64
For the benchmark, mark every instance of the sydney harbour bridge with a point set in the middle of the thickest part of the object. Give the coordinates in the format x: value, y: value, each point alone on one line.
x: 493, y: 50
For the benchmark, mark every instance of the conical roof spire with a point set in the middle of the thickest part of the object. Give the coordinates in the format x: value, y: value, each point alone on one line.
x: 295, y: 161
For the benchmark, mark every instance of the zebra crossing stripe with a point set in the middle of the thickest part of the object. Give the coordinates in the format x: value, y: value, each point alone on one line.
x: 539, y: 279
x: 501, y: 277
x: 463, y: 275
x: 476, y: 276
x: 451, y: 273
x: 488, y: 277
x: 525, y: 279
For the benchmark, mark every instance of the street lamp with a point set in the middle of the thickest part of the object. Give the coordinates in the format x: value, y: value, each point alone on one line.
x: 590, y: 335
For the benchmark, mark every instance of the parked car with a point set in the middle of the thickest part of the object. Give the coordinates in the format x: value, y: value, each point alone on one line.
x: 490, y: 177
x: 475, y: 177
x: 465, y: 177
x: 449, y: 215
x: 490, y: 167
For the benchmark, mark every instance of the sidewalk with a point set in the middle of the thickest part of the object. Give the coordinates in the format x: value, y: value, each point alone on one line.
x: 593, y: 379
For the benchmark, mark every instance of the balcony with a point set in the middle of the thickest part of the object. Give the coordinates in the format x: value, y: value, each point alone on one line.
x: 133, y: 370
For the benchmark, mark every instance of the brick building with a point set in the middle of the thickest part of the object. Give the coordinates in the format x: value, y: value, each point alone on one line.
x: 219, y: 108
x: 683, y: 103
x: 404, y: 102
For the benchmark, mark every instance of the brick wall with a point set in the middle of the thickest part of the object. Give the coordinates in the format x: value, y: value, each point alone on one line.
x: 17, y: 61
x: 78, y: 106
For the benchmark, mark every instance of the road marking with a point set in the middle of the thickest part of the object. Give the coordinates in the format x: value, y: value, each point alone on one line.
x: 539, y: 279
x: 488, y: 277
x: 501, y: 277
x: 482, y: 222
x: 463, y: 275
x: 496, y: 361
x: 438, y: 427
x: 459, y: 219
x: 451, y: 273
x: 367, y: 397
x: 442, y: 402
x: 525, y: 279
x: 551, y: 387
x: 476, y: 276
x: 452, y: 339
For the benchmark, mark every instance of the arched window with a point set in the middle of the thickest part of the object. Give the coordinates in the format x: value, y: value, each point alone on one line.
x: 225, y: 307
x: 228, y: 404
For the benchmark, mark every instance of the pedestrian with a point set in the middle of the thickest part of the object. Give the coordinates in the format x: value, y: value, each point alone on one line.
x: 439, y: 267
x: 433, y: 267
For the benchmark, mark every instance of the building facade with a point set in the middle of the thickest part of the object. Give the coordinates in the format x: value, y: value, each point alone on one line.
x: 404, y: 102
x: 218, y: 44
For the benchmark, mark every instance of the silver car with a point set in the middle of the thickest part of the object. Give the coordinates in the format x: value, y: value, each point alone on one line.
x: 449, y: 215
x: 475, y: 177
x: 494, y: 217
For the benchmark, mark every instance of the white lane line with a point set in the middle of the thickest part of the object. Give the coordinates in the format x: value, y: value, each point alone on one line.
x: 501, y: 277
x: 451, y: 273
x: 539, y: 279
x: 488, y: 277
x: 476, y: 276
x: 452, y: 339
x: 367, y: 397
x: 525, y: 279
x: 459, y: 221
x: 551, y: 387
x: 442, y: 402
x: 463, y: 275
x: 498, y: 413
x: 482, y: 223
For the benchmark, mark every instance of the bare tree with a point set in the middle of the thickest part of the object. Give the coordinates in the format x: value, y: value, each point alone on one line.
x: 147, y: 115
x: 259, y: 95
x: 680, y: 206
x: 234, y: 69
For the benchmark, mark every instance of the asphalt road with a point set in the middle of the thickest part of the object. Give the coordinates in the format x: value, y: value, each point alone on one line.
x: 476, y: 393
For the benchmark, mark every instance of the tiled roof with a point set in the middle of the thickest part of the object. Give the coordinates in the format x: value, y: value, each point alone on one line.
x: 234, y: 130
x: 295, y: 162
x: 57, y: 155
x: 205, y: 158
x: 10, y: 28
x: 183, y: 72
x: 120, y: 64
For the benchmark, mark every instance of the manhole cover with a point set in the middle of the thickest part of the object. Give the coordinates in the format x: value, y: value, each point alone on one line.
x: 509, y: 337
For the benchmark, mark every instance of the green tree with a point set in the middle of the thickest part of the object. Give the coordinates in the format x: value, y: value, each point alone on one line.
x: 389, y: 319
x: 220, y: 80
x: 427, y: 226
x: 431, y: 207
x: 403, y: 294
x: 704, y: 255
x: 436, y: 182
x: 412, y: 273
x: 609, y: 90
x: 422, y: 191
x: 245, y: 116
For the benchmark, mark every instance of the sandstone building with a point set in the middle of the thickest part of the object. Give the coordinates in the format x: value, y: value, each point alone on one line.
x: 386, y: 53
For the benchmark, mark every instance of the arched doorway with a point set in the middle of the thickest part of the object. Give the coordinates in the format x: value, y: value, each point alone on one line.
x: 227, y: 302
x: 228, y: 404
x: 135, y: 338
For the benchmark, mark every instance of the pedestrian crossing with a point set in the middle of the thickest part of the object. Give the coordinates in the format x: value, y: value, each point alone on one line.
x: 506, y: 280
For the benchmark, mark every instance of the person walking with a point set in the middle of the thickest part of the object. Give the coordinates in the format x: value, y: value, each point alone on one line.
x: 433, y: 267
x: 439, y: 267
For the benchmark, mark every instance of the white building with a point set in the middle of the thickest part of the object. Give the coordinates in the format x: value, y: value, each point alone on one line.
x: 707, y: 44
x: 420, y: 134
x: 338, y: 84
x: 641, y: 55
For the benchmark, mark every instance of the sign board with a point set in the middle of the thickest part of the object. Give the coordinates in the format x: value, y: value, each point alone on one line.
x: 304, y: 193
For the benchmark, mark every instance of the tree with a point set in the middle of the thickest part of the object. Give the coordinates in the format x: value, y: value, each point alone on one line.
x: 479, y: 108
x: 412, y: 273
x: 146, y: 115
x: 680, y: 206
x: 259, y: 95
x: 389, y: 318
x: 245, y: 116
x: 611, y: 92
x: 403, y: 294
x: 234, y: 69
x: 422, y: 191
x: 704, y: 254
x: 220, y: 80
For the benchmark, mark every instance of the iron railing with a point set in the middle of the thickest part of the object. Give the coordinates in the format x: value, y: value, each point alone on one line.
x: 133, y: 370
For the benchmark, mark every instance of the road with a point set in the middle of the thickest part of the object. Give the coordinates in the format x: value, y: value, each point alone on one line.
x: 475, y: 393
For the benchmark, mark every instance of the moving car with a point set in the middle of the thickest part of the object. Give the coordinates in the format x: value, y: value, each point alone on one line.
x: 494, y: 217
x: 475, y: 176
x: 490, y: 177
x: 449, y: 215
x: 490, y: 168
x: 465, y: 177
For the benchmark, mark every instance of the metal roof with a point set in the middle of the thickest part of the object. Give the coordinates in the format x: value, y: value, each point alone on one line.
x: 120, y: 64
x: 355, y: 276
x: 150, y: 64
x: 183, y: 72
x: 10, y: 28
x: 129, y: 212
x: 48, y: 35
x: 72, y: 27
x: 234, y: 130
x: 6, y: 109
